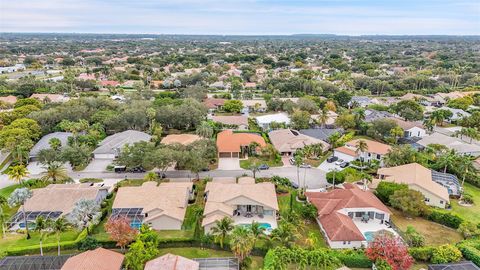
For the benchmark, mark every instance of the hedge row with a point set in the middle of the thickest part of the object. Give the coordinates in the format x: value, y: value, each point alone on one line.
x: 444, y: 218
x: 436, y: 254
x: 470, y: 250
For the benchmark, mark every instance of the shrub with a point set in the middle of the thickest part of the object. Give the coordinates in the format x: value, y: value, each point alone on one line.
x: 467, y: 198
x: 409, y: 201
x: 308, y: 211
x: 414, y: 238
x: 386, y: 189
x: 470, y: 250
x: 382, y: 265
x: 446, y: 254
x: 469, y: 229
x: 88, y: 243
x: 447, y: 219
x: 91, y: 180
x: 423, y: 254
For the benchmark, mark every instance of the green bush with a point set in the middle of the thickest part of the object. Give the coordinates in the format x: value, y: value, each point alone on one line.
x: 447, y: 219
x: 423, y: 254
x: 414, y: 238
x: 386, y: 189
x: 446, y: 254
x: 382, y: 265
x: 90, y: 180
x: 470, y: 250
x: 88, y: 243
x: 353, y: 258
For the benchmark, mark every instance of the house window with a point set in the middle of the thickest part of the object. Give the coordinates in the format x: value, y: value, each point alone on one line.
x: 344, y: 242
x: 441, y: 202
x: 268, y: 212
x: 379, y: 216
x: 249, y: 208
x: 358, y: 214
x: 369, y: 154
x: 378, y: 156
x: 427, y: 199
x: 146, y: 214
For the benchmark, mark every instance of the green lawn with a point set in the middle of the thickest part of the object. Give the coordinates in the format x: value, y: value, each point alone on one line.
x: 190, y: 252
x: 435, y: 234
x: 5, y: 192
x: 247, y: 163
x: 469, y: 213
x: 19, y: 240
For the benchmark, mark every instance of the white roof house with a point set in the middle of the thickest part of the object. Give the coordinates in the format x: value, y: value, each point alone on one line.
x: 111, y: 146
x: 264, y: 121
x: 460, y: 146
x: 44, y: 142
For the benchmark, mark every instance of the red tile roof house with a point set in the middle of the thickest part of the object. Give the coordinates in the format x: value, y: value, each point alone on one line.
x: 233, y: 145
x: 349, y: 217
x: 375, y: 151
x: 214, y: 104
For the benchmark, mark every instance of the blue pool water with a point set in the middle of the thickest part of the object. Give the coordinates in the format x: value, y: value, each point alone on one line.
x: 266, y: 226
x: 136, y: 225
x: 369, y: 236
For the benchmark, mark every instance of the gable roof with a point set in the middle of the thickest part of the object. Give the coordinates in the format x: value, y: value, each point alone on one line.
x: 228, y: 141
x: 98, y: 259
x: 340, y: 227
x: 288, y: 140
x: 172, y: 262
x: 454, y: 143
x: 321, y: 133
x: 170, y: 198
x: 406, y: 125
x: 113, y: 143
x: 213, y: 103
x: 44, y: 142
x: 373, y: 146
x: 269, y: 118
x: 219, y: 194
x: 61, y: 197
x: 414, y: 174
x: 9, y: 99
x: 231, y: 119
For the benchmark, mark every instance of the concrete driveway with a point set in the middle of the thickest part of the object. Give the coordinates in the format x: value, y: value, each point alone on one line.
x: 229, y: 164
x: 35, y: 167
x: 326, y: 167
x: 98, y: 165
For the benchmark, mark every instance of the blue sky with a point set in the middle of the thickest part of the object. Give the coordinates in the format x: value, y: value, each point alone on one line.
x: 351, y: 17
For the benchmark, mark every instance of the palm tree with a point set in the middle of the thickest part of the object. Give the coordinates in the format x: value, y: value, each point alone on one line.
x: 55, y: 171
x: 57, y: 227
x: 333, y: 139
x: 437, y: 117
x: 150, y: 176
x: 221, y: 229
x: 396, y: 132
x: 285, y: 234
x: 55, y: 144
x: 242, y: 242
x: 323, y: 117
x: 204, y: 130
x: 40, y: 226
x: 257, y: 230
x: 362, y: 147
x: 18, y: 197
x: 464, y: 165
x: 17, y: 173
x: 446, y: 160
x: 3, y: 215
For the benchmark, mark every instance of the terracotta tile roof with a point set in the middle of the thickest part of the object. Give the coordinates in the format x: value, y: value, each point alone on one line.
x: 172, y: 262
x: 373, y: 146
x: 406, y: 125
x: 346, y: 150
x: 231, y: 120
x: 213, y: 103
x: 184, y: 139
x: 340, y: 227
x: 414, y: 174
x: 98, y: 259
x: 287, y: 140
x: 227, y: 141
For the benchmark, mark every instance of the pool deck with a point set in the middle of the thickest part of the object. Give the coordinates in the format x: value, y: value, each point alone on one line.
x: 266, y: 219
x: 372, y: 226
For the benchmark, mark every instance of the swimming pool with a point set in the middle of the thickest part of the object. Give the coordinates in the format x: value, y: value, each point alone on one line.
x: 266, y: 226
x: 369, y: 236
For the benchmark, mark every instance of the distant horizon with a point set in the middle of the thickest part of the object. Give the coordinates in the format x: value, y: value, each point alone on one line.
x: 243, y: 17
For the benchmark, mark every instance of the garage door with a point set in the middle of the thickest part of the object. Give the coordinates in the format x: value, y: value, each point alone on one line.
x: 225, y: 155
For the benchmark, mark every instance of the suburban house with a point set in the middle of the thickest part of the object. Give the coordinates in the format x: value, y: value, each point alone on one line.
x: 240, y: 122
x: 44, y: 143
x: 457, y: 114
x: 349, y: 217
x: 411, y: 129
x: 111, y: 146
x: 287, y: 141
x: 453, y: 143
x: 50, y: 98
x: 214, y: 104
x: 362, y: 101
x: 184, y: 139
x: 172, y: 262
x: 372, y: 115
x: 264, y: 121
x: 321, y: 133
x: 235, y: 145
x: 56, y: 200
x: 99, y: 258
x: 375, y: 151
x: 244, y: 202
x: 160, y: 206
x: 254, y: 105
x: 421, y: 179
x: 330, y: 121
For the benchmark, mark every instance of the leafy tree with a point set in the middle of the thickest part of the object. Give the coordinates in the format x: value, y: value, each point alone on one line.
x: 307, y: 104
x: 3, y: 215
x: 460, y: 103
x: 221, y: 229
x: 76, y: 155
x: 446, y: 254
x: 17, y: 173
x: 390, y: 249
x: 386, y: 189
x: 403, y: 154
x: 409, y: 201
x: 120, y: 231
x: 57, y: 227
x: 346, y: 121
x: 233, y: 105
x: 242, y: 242
x: 343, y: 98
x: 300, y: 119
x: 410, y: 110
x: 18, y: 197
x: 85, y: 214
x: 380, y: 129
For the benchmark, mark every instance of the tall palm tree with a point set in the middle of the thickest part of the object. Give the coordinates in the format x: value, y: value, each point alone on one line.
x: 285, y: 234
x: 55, y: 171
x: 221, y: 229
x: 40, y: 226
x: 333, y: 140
x: 362, y: 147
x: 257, y: 230
x: 242, y: 242
x: 464, y: 165
x: 322, y: 117
x: 446, y: 160
x: 57, y: 227
x: 17, y: 173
